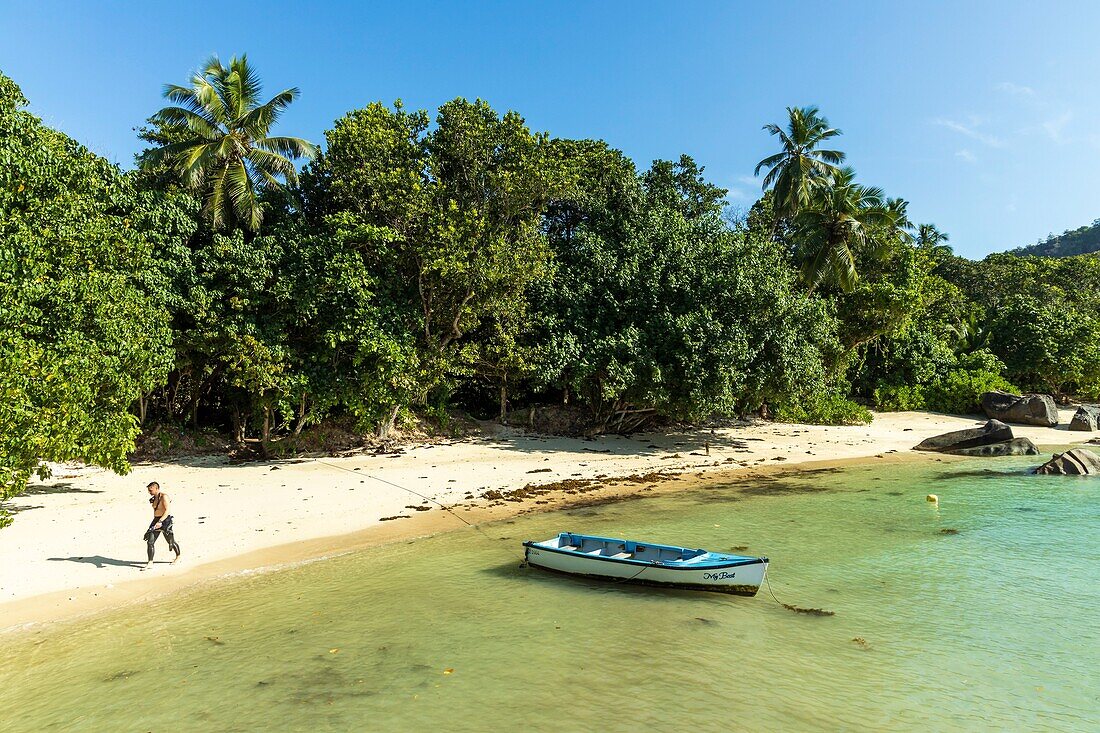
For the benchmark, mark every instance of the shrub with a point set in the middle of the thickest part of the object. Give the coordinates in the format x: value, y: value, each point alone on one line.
x: 825, y: 408
x: 900, y: 398
x: 959, y: 391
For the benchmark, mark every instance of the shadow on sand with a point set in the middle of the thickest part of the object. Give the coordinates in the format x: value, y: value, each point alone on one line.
x: 57, y: 488
x: 101, y: 562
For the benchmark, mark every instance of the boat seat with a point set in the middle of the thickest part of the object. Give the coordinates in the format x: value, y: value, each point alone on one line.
x: 698, y: 558
x: 571, y: 548
x: 621, y: 555
x: 597, y: 551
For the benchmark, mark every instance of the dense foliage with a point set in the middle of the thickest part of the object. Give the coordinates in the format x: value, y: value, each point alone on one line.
x: 83, y: 332
x: 426, y: 262
x: 1079, y: 241
x: 660, y: 307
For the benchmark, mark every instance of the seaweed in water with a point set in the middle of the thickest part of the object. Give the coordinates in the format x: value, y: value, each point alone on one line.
x: 948, y: 530
x: 973, y: 473
x: 809, y: 611
x: 777, y: 487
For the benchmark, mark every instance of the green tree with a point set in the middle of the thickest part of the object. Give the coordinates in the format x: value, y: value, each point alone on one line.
x: 1039, y: 316
x: 447, y: 223
x: 801, y: 166
x: 665, y: 312
x: 216, y: 140
x: 82, y: 335
x: 1048, y: 345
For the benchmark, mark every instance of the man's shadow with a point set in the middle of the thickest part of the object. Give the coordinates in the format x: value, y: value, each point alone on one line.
x: 101, y: 562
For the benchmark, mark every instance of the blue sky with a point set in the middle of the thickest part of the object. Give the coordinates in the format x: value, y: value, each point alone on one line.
x: 981, y: 114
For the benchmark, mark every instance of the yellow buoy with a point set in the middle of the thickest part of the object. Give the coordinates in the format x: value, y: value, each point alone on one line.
x: 933, y: 499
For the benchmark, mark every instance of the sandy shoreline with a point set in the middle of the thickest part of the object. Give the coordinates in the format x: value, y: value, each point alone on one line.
x: 75, y: 546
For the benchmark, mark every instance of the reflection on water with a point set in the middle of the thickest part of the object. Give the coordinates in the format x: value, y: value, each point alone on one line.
x: 976, y: 615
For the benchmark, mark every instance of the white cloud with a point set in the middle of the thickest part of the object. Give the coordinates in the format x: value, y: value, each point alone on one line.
x: 1016, y: 89
x: 743, y: 188
x: 1055, y: 126
x: 966, y: 156
x: 970, y: 130
x: 1049, y: 118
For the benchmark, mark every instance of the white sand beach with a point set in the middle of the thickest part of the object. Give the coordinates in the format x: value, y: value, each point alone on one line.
x: 76, y: 545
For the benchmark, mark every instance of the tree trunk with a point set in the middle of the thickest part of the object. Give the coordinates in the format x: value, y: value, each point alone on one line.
x: 141, y: 409
x: 301, y: 415
x: 191, y: 412
x: 238, y: 425
x: 387, y: 425
x: 503, y: 402
x: 171, y: 393
x: 265, y: 435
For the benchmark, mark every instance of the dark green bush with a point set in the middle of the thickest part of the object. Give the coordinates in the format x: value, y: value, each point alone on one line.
x: 826, y: 408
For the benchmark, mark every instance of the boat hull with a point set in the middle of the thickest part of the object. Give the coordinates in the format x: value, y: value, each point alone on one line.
x: 742, y: 579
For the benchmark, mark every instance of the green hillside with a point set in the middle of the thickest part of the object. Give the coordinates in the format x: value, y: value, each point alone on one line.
x: 1080, y: 241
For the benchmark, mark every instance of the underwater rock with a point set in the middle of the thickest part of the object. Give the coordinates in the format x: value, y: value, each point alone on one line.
x: 1076, y: 462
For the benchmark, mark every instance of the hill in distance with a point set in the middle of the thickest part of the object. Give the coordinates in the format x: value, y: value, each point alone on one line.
x: 1081, y: 241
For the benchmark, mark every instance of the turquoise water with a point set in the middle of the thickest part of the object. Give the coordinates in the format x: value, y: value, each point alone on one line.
x: 990, y: 628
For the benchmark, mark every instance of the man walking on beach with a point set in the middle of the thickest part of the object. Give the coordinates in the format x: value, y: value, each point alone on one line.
x: 162, y: 522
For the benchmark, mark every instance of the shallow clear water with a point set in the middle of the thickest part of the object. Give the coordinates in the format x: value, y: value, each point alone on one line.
x: 992, y: 628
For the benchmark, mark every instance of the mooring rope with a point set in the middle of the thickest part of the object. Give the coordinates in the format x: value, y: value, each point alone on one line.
x: 635, y: 575
x: 788, y: 606
x: 440, y: 504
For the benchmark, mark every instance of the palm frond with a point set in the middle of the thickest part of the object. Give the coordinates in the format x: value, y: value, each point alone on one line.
x: 242, y: 195
x: 273, y: 164
x: 246, y: 85
x: 770, y: 162
x: 188, y: 98
x: 291, y: 147
x: 183, y: 117
x: 214, y: 204
x: 195, y: 162
x: 833, y: 157
x: 260, y: 119
x: 219, y: 80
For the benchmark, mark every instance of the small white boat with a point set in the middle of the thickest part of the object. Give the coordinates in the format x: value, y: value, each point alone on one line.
x: 626, y: 561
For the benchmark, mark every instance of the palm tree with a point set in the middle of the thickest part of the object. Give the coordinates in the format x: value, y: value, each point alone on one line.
x: 933, y: 240
x: 225, y: 153
x: 835, y: 226
x: 800, y: 167
x: 897, y: 211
